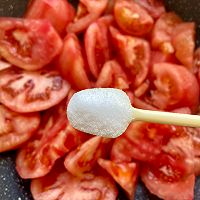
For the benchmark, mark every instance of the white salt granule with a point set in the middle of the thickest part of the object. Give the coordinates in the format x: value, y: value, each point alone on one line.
x: 101, y: 111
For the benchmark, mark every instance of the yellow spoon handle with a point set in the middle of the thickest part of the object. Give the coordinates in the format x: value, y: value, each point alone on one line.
x: 166, y: 118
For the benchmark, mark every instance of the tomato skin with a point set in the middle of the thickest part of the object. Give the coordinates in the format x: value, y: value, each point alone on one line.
x: 21, y: 90
x: 61, y: 185
x: 183, y: 40
x: 15, y: 128
x: 71, y: 64
x: 88, y: 11
x: 59, y: 12
x: 112, y: 75
x: 162, y: 32
x: 175, y: 87
x: 96, y: 43
x: 134, y: 54
x: 27, y: 43
x: 132, y: 18
x: 125, y: 174
x: 169, y: 191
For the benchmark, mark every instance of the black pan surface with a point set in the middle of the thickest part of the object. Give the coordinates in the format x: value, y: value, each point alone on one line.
x: 12, y: 187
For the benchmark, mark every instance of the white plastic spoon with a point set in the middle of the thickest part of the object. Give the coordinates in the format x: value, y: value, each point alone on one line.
x: 107, y: 112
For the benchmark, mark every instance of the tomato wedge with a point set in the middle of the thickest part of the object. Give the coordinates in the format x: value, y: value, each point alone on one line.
x: 162, y: 32
x: 59, y: 12
x: 183, y: 37
x: 84, y: 158
x: 112, y: 75
x: 59, y: 184
x: 154, y: 7
x: 15, y: 128
x: 125, y: 174
x: 132, y: 18
x: 134, y: 54
x: 26, y: 91
x: 27, y: 43
x: 71, y: 64
x: 170, y: 191
x: 87, y: 12
x: 97, y: 44
x: 174, y: 87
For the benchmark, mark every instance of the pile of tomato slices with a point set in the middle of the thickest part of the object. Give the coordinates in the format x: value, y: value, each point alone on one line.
x: 133, y: 45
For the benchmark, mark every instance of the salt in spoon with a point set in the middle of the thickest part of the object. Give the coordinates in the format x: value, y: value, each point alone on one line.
x: 107, y: 112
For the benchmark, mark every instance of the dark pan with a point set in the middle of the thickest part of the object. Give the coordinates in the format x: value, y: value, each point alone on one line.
x: 12, y: 187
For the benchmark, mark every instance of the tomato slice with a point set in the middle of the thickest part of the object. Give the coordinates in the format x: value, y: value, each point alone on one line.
x: 125, y: 174
x: 154, y: 7
x: 27, y: 43
x: 97, y: 44
x: 162, y: 32
x: 170, y: 191
x: 132, y: 18
x: 134, y: 54
x: 15, y: 128
x: 88, y: 11
x: 25, y: 91
x: 175, y: 87
x: 84, y: 158
x: 183, y: 40
x: 59, y: 12
x: 112, y: 75
x: 59, y: 184
x: 54, y: 138
x: 71, y: 64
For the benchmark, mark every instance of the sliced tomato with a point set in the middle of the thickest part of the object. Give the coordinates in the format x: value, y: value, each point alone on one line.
x: 183, y: 40
x: 166, y: 190
x: 175, y: 87
x: 87, y: 12
x: 55, y: 138
x: 15, y: 128
x: 27, y: 43
x: 84, y: 158
x: 176, y: 160
x: 59, y: 184
x: 125, y: 174
x: 26, y: 91
x: 132, y: 18
x: 147, y: 139
x: 141, y: 141
x: 112, y: 75
x: 59, y: 12
x: 134, y: 54
x: 97, y: 44
x: 71, y: 64
x: 162, y: 32
x: 154, y: 7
